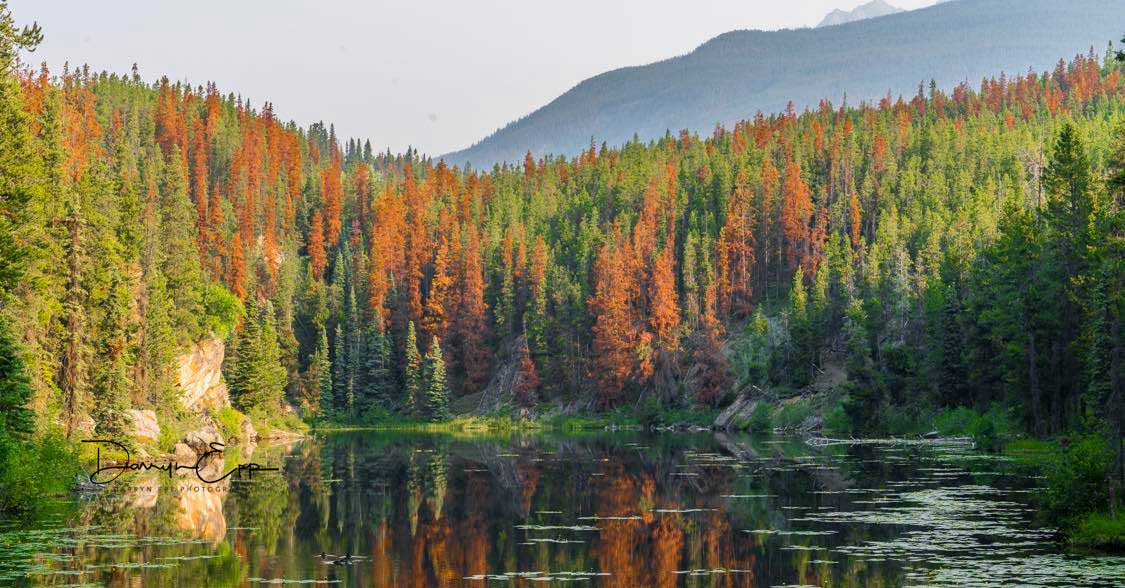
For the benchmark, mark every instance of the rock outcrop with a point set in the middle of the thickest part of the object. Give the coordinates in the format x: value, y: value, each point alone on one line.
x: 735, y: 415
x: 200, y: 440
x: 201, y: 377
x: 145, y: 427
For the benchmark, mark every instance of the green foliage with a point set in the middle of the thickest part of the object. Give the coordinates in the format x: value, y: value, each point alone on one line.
x: 30, y: 471
x: 229, y: 420
x: 436, y: 387
x: 222, y: 310
x: 16, y: 420
x: 255, y: 374
x: 413, y: 371
x: 761, y: 418
x: 792, y: 414
x: 1101, y: 531
x: 989, y: 429
x: 1076, y: 482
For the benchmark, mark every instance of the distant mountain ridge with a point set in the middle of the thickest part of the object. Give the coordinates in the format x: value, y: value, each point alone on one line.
x: 736, y: 74
x: 873, y: 9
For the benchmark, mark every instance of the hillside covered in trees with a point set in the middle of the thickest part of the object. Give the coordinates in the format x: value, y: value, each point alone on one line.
x: 956, y: 248
x: 732, y: 76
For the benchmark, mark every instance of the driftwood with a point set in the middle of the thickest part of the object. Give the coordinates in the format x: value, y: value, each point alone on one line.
x: 825, y: 441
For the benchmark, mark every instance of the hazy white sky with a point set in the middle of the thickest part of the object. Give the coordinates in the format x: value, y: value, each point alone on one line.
x: 437, y: 74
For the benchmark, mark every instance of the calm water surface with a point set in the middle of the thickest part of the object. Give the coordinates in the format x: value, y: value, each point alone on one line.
x: 600, y: 510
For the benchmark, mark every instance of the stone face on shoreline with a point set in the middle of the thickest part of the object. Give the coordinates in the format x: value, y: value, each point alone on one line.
x: 201, y: 377
x: 738, y: 412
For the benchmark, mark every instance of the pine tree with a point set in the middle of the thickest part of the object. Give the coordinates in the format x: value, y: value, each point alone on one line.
x: 318, y: 258
x: 323, y: 381
x: 437, y: 390
x: 111, y: 390
x: 16, y: 420
x: 413, y: 371
x: 341, y: 382
x: 257, y: 377
x: 76, y: 352
x: 377, y: 382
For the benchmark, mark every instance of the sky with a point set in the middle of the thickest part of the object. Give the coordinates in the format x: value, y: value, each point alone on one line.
x: 437, y: 75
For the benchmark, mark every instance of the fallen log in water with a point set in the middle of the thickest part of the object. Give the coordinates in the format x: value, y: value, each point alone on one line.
x: 826, y: 441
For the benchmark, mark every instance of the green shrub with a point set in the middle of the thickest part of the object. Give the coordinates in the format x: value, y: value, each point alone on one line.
x: 793, y: 414
x: 31, y: 471
x: 761, y: 418
x: 836, y: 420
x: 649, y: 412
x: 988, y: 429
x: 229, y: 421
x: 222, y: 310
x: 1077, y: 482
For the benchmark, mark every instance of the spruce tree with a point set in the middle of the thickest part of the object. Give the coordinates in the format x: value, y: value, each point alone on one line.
x: 76, y: 352
x: 376, y: 378
x: 180, y: 255
x: 112, y: 383
x: 16, y: 420
x: 437, y: 389
x: 323, y: 366
x: 413, y: 371
x: 257, y: 377
x: 340, y: 381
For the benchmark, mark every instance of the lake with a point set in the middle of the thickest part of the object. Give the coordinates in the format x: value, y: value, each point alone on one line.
x: 605, y: 509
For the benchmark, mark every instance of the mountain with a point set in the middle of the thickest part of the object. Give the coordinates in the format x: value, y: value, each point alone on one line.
x: 738, y: 73
x: 873, y: 9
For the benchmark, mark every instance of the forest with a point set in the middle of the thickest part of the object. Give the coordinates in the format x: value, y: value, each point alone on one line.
x: 955, y: 249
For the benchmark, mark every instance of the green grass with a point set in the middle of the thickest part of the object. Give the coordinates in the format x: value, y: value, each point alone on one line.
x: 1099, y: 531
x: 1036, y: 452
x: 793, y: 414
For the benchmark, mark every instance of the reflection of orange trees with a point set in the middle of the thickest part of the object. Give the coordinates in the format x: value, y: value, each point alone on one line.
x: 382, y: 561
x: 667, y: 546
x: 618, y: 547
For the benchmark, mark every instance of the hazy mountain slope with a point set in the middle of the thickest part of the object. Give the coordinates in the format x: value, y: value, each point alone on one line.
x: 738, y: 73
x: 873, y: 9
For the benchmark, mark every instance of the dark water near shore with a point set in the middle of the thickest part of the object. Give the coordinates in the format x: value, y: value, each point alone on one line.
x: 600, y: 510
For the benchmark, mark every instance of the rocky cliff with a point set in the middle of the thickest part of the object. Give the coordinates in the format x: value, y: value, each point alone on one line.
x: 201, y: 377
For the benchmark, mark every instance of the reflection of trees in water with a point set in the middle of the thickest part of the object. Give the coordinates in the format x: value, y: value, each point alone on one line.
x: 144, y: 526
x: 429, y: 511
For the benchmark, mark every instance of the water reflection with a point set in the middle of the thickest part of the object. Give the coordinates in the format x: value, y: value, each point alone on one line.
x: 671, y: 510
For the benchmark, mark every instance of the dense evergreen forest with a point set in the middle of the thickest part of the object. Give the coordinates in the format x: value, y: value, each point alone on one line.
x: 957, y: 248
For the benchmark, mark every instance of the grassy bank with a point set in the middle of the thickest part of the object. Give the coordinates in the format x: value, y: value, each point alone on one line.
x: 549, y: 418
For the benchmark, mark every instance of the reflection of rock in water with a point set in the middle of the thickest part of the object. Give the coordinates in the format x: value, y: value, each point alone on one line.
x: 201, y: 511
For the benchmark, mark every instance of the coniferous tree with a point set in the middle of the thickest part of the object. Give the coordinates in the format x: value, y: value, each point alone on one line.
x: 76, y: 352
x: 436, y: 387
x: 341, y: 382
x: 413, y: 371
x: 322, y: 364
x: 377, y: 382
x: 111, y: 389
x: 257, y: 377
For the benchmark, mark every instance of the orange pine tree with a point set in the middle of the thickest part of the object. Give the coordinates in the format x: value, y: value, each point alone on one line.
x: 472, y: 324
x: 318, y: 257
x: 616, y: 336
x: 332, y: 195
x: 236, y: 276
x: 796, y: 211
